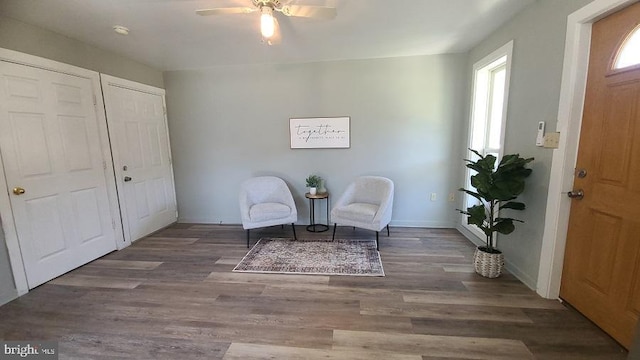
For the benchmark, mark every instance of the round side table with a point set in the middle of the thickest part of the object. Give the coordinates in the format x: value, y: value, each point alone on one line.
x: 315, y: 227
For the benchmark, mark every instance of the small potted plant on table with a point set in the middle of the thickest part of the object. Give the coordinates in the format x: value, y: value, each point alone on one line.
x: 313, y: 181
x: 495, y: 188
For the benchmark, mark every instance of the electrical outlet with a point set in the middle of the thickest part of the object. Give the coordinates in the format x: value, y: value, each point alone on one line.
x: 434, y: 196
x: 452, y: 197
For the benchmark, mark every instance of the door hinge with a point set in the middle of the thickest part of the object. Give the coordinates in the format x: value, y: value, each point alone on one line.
x: 104, y: 164
x: 113, y: 224
x: 95, y: 101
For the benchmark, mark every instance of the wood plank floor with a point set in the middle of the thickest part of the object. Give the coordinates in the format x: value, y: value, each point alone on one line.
x: 172, y: 295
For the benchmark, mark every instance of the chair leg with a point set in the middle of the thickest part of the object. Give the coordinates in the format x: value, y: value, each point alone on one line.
x: 247, y: 238
x: 388, y: 230
x: 334, y: 231
x: 377, y: 243
x: 293, y: 226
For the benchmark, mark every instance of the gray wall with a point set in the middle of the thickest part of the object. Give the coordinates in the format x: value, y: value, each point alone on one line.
x: 29, y: 39
x: 539, y: 35
x: 18, y: 36
x: 230, y: 123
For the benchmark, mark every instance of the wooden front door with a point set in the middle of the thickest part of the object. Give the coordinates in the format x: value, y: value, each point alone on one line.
x: 601, y: 275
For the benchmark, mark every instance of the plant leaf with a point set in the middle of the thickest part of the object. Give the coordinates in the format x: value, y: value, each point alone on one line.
x: 471, y: 193
x: 513, y: 205
x: 511, y: 219
x: 476, y: 152
x: 504, y: 226
x: 476, y: 215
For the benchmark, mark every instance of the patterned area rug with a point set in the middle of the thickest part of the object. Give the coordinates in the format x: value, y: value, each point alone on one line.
x: 326, y: 257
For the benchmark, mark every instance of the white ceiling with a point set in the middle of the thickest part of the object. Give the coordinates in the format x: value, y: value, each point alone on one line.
x: 168, y: 35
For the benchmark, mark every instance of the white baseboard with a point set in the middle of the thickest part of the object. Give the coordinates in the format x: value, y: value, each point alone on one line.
x: 189, y: 220
x: 424, y: 224
x: 398, y: 223
x: 526, y: 279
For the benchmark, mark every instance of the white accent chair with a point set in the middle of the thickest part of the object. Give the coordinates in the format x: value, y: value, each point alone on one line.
x: 367, y: 203
x: 266, y: 201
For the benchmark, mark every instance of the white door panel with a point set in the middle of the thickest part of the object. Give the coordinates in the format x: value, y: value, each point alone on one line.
x: 141, y: 153
x: 50, y: 146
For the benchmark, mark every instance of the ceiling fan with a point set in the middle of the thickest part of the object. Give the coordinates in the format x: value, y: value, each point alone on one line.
x: 268, y: 23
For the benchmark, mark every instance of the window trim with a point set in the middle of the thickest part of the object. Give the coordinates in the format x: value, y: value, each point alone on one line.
x: 504, y: 50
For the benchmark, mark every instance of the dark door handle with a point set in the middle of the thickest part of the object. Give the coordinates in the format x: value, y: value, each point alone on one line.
x: 127, y: 178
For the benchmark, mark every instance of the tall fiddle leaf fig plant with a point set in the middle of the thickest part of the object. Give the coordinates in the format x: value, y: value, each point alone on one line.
x: 496, y: 188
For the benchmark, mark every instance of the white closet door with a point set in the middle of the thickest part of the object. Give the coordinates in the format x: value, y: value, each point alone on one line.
x: 141, y: 155
x: 50, y: 146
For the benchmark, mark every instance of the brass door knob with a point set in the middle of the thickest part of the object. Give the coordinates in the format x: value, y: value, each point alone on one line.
x: 18, y: 190
x: 576, y: 194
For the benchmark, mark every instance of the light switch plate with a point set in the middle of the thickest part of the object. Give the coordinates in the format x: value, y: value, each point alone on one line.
x: 552, y: 140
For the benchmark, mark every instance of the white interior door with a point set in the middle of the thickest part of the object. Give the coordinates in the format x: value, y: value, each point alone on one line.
x: 141, y: 155
x: 51, y: 149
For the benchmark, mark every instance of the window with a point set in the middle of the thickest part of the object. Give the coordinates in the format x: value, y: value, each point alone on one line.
x: 488, y: 113
x: 629, y: 54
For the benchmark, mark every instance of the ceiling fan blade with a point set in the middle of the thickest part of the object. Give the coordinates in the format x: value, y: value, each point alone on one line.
x: 318, y: 12
x: 225, y: 11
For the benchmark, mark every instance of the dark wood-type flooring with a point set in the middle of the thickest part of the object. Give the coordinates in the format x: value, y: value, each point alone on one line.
x: 172, y: 295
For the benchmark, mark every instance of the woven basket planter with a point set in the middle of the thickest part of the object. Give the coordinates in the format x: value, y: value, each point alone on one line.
x: 487, y: 264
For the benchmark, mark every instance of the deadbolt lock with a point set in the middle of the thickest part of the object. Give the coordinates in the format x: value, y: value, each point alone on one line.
x: 581, y: 173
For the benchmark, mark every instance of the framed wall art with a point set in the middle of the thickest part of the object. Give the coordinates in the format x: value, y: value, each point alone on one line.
x: 320, y: 132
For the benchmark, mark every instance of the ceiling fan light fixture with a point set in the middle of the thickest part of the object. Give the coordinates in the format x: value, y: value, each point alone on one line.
x: 267, y: 22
